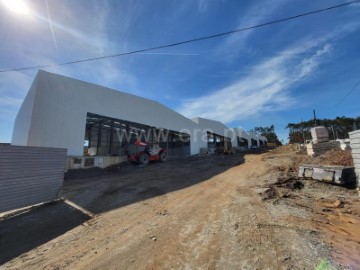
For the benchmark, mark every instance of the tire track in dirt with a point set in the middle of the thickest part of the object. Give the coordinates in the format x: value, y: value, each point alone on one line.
x: 218, y: 223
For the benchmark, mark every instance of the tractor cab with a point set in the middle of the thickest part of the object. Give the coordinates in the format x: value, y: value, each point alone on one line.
x: 144, y: 152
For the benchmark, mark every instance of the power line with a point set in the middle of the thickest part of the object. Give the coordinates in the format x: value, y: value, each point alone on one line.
x: 348, y: 94
x: 186, y: 41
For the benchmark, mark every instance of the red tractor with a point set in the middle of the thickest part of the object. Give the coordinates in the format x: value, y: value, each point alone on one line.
x: 142, y: 152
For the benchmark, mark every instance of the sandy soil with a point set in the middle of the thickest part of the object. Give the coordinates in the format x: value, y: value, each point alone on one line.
x: 213, y: 212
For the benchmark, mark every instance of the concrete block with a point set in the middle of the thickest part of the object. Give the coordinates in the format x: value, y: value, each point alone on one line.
x: 340, y: 175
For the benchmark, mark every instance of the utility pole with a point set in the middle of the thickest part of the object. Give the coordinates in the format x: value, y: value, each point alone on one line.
x: 333, y: 131
x: 302, y: 129
x: 314, y: 118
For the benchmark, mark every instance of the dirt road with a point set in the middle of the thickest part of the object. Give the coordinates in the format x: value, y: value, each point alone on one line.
x: 215, y: 212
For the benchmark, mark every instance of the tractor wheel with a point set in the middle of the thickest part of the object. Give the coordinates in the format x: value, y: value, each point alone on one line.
x: 162, y: 156
x: 144, y: 159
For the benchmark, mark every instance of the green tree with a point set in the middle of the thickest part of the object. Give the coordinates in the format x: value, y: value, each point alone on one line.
x: 338, y: 128
x: 268, y: 133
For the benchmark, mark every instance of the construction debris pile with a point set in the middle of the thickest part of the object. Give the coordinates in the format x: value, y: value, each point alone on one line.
x: 321, y: 143
x: 331, y: 157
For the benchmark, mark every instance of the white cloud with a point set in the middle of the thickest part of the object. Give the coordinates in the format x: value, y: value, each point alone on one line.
x: 10, y: 101
x: 261, y: 12
x: 202, y: 5
x: 86, y: 39
x: 257, y: 13
x: 14, y: 84
x: 77, y: 37
x: 266, y: 88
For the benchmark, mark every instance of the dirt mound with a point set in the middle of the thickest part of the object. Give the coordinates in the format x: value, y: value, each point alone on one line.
x: 286, y: 148
x: 337, y: 157
x: 330, y: 203
x: 293, y: 185
x: 283, y: 188
x: 333, y: 210
x: 331, y: 157
x: 270, y: 193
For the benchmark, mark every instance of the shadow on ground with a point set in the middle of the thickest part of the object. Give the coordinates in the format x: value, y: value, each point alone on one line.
x: 29, y: 230
x: 102, y: 190
x: 126, y: 184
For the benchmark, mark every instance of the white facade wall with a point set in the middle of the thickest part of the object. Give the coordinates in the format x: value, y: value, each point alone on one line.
x: 262, y: 138
x: 216, y: 127
x: 238, y: 132
x: 54, y: 113
x: 23, y: 119
x: 257, y: 138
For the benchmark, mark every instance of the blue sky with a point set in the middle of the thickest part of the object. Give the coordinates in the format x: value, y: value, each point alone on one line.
x: 271, y: 75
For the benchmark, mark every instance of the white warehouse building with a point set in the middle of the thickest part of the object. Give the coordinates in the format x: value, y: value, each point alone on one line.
x: 94, y: 121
